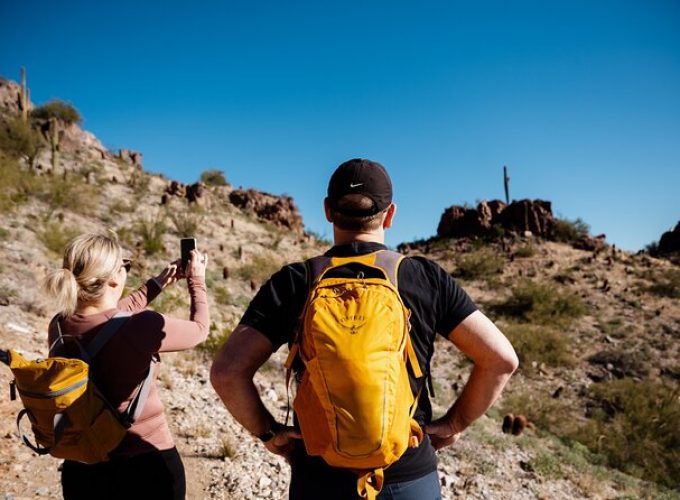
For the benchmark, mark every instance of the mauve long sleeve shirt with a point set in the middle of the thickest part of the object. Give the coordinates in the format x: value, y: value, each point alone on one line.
x: 122, y: 364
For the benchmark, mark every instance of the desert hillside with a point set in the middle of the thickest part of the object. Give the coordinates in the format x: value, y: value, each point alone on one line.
x: 597, y: 329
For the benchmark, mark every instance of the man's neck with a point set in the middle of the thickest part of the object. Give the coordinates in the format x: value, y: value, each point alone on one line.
x: 343, y: 237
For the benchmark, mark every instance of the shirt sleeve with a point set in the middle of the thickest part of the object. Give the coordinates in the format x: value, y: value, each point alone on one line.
x: 161, y: 333
x: 140, y: 298
x: 454, y: 303
x: 276, y: 308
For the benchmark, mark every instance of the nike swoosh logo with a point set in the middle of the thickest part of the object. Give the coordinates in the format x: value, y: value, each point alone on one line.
x: 356, y: 185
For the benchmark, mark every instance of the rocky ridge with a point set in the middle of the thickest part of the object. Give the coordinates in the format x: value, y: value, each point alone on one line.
x: 246, y: 243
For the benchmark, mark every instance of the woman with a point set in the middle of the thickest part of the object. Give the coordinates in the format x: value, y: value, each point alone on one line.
x: 88, y: 292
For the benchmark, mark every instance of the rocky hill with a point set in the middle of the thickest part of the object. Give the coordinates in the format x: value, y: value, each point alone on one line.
x: 597, y: 330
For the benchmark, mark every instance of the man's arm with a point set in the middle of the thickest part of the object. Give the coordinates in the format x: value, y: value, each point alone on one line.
x: 231, y: 376
x: 494, y: 362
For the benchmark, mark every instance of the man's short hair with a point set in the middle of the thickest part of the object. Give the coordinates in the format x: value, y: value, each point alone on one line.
x: 356, y: 203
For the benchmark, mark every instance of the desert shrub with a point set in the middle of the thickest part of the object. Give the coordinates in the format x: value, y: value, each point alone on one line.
x: 19, y: 140
x: 55, y: 235
x: 215, y: 340
x: 567, y: 230
x: 4, y: 234
x: 539, y: 344
x: 525, y: 251
x: 222, y: 296
x: 213, y: 178
x: 542, y: 303
x: 479, y: 264
x: 636, y: 426
x: 186, y: 223
x: 258, y: 269
x: 57, y: 109
x: 664, y: 283
x: 18, y: 185
x: 66, y: 193
x: 170, y: 301
x: 150, y: 232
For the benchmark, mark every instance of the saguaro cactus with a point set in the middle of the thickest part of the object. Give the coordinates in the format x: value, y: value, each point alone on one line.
x: 23, y: 98
x: 506, y: 183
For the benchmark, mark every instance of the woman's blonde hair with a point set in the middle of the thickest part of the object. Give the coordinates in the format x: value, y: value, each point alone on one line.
x: 90, y: 260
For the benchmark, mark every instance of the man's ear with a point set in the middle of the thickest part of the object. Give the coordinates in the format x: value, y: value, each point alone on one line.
x: 389, y: 216
x: 327, y: 210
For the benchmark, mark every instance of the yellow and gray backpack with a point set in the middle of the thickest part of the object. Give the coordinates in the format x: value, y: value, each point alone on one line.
x: 354, y: 402
x: 69, y: 417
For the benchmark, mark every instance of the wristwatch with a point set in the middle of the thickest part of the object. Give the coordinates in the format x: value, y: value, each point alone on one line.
x: 269, y: 435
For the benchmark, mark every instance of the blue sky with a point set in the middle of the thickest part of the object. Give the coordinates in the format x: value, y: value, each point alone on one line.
x: 580, y: 99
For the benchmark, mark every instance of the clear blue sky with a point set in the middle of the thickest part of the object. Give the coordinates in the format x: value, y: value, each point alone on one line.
x: 581, y: 99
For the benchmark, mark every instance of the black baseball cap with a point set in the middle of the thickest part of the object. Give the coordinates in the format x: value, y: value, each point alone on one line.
x: 360, y: 176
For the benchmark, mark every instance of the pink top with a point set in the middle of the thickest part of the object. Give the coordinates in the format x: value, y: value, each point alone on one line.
x: 122, y: 364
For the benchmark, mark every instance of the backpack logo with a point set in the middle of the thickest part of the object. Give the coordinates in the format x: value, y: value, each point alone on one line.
x: 353, y: 323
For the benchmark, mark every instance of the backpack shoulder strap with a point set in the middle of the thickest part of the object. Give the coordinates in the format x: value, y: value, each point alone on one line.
x: 389, y: 262
x: 107, y: 332
x: 316, y: 267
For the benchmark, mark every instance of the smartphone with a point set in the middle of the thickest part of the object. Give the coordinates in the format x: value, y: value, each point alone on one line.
x: 187, y: 244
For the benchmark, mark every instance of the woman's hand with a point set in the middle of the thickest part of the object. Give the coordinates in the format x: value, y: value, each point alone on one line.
x: 197, y: 264
x: 169, y: 275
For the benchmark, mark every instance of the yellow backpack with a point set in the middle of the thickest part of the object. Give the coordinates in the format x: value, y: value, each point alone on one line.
x: 69, y: 417
x: 354, y: 402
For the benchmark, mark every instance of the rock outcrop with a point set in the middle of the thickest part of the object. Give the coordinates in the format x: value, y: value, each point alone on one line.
x: 519, y: 216
x: 280, y: 210
x: 670, y: 241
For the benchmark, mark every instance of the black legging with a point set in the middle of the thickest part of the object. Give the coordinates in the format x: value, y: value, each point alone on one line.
x: 156, y: 475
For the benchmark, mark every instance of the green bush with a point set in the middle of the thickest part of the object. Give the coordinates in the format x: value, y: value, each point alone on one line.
x: 150, y: 232
x: 57, y: 109
x: 213, y: 178
x: 539, y: 344
x: 19, y: 140
x: 479, y: 264
x: 66, y: 193
x: 637, y: 427
x: 258, y: 269
x: 55, y: 236
x: 215, y: 341
x: 525, y: 251
x: 222, y: 296
x: 568, y: 231
x: 17, y: 185
x: 542, y: 303
x: 664, y: 283
x: 186, y: 223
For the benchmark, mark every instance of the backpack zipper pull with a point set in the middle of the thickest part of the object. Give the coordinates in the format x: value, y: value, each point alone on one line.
x: 12, y: 390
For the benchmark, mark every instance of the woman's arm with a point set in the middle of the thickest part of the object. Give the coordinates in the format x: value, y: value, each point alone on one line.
x: 139, y: 299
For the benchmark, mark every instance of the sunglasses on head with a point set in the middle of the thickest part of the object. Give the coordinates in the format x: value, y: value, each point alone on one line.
x: 127, y: 264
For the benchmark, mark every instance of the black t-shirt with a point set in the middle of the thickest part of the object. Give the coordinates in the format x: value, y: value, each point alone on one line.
x: 437, y: 305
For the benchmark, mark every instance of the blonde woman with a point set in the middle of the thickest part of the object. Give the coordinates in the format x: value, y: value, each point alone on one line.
x: 87, y: 291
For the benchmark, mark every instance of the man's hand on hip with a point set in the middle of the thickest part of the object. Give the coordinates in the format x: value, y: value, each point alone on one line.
x: 284, y: 442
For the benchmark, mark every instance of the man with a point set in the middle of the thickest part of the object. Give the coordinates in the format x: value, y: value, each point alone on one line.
x: 360, y: 207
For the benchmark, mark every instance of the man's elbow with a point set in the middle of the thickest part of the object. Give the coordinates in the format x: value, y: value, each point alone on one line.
x: 222, y: 379
x: 511, y: 362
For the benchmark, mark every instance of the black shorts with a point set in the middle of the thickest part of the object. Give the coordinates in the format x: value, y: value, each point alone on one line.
x: 158, y: 475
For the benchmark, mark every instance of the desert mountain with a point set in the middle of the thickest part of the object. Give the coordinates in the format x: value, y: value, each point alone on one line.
x: 596, y: 328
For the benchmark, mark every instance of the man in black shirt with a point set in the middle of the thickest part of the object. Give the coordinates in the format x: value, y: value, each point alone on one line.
x: 360, y: 207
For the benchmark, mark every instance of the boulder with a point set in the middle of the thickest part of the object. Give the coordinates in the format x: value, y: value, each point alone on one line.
x: 670, y: 241
x: 132, y: 157
x: 280, y: 210
x: 534, y: 216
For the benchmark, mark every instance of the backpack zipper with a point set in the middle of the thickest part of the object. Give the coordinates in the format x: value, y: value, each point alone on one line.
x: 53, y: 394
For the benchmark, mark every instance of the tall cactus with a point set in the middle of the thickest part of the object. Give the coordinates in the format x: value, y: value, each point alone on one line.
x: 23, y: 99
x: 506, y: 183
